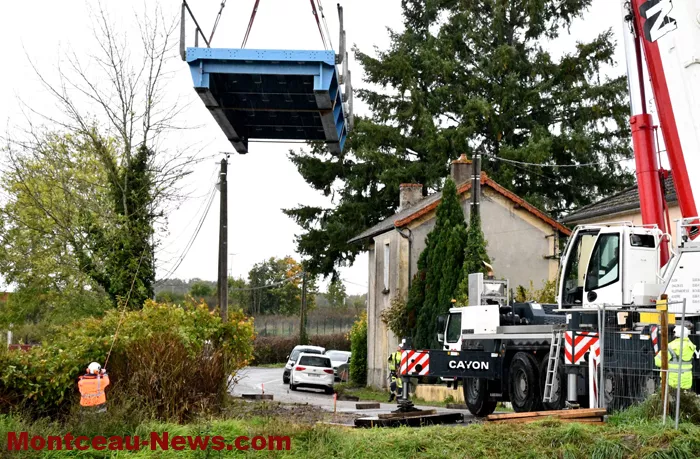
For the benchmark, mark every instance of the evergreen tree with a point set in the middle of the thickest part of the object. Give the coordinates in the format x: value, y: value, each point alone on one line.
x: 444, y: 264
x: 460, y: 75
x: 474, y: 255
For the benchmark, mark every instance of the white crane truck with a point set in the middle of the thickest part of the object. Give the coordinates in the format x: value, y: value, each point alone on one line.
x: 503, y: 351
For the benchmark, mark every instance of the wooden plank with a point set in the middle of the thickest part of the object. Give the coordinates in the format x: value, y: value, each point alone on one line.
x: 592, y: 420
x: 367, y: 406
x: 580, y: 413
x: 410, y: 414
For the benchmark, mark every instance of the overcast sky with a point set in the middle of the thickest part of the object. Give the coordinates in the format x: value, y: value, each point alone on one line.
x: 262, y: 182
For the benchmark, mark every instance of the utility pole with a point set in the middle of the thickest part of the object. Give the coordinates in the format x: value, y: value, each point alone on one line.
x: 223, y: 243
x: 303, y: 338
x: 476, y: 182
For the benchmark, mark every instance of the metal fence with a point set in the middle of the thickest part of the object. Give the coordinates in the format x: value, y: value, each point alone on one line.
x: 625, y: 367
x: 288, y: 326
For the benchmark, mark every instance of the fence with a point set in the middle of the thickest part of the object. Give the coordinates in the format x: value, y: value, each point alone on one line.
x: 625, y: 363
x: 288, y: 326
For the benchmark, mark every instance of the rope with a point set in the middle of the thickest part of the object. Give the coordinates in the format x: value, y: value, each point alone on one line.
x: 250, y: 23
x: 216, y: 23
x: 126, y: 304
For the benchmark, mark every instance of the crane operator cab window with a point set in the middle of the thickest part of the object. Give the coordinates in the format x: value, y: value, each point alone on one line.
x: 576, y: 262
x: 604, y: 267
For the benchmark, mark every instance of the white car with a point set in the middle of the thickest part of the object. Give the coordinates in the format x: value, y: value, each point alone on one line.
x: 294, y: 356
x: 312, y: 370
x: 339, y: 360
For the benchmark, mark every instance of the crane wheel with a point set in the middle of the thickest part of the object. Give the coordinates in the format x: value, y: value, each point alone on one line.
x: 476, y: 395
x: 524, y: 383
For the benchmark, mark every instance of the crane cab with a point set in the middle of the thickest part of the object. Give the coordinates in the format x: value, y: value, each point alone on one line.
x: 610, y: 264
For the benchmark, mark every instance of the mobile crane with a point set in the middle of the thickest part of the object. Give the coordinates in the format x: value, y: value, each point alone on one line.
x: 503, y: 351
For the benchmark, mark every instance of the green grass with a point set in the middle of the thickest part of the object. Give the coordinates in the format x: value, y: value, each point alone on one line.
x: 545, y: 439
x: 271, y: 365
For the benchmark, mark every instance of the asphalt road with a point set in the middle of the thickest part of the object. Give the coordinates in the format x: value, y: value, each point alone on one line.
x: 253, y: 379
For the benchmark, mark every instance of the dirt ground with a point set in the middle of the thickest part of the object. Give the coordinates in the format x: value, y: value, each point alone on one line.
x: 301, y: 413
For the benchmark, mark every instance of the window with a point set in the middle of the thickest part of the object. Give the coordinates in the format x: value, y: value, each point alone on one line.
x: 297, y: 351
x: 338, y: 356
x: 313, y: 361
x: 605, y: 262
x: 387, y: 254
x: 572, y: 287
x: 454, y: 327
x: 643, y: 240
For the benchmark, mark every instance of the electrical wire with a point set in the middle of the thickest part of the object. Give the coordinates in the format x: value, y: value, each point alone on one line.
x: 248, y: 289
x: 192, y: 239
x: 512, y: 161
x: 353, y: 283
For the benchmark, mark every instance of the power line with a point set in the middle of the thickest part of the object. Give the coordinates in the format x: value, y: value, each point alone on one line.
x: 597, y: 163
x: 353, y: 283
x: 193, y: 238
x: 248, y: 289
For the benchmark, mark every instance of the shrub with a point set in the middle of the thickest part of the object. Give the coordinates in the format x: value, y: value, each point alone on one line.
x: 169, y: 340
x: 358, y: 347
x: 546, y: 295
x: 397, y: 318
x: 274, y: 349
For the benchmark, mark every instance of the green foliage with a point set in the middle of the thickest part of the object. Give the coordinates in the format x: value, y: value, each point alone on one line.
x: 275, y: 349
x: 546, y: 295
x: 336, y: 294
x: 443, y: 264
x: 397, y: 318
x: 202, y: 290
x: 460, y: 75
x: 474, y: 256
x: 45, y: 378
x: 358, y: 347
x: 285, y: 298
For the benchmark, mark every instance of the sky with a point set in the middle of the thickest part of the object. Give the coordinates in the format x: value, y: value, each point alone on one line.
x: 260, y: 183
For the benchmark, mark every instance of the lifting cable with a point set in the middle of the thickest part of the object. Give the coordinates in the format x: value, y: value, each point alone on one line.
x: 216, y: 23
x: 255, y: 12
x: 318, y: 22
x: 250, y: 23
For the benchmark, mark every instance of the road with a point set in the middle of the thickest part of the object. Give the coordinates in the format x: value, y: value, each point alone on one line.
x: 252, y: 380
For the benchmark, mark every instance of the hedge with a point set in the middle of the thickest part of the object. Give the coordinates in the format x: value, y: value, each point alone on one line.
x: 274, y: 349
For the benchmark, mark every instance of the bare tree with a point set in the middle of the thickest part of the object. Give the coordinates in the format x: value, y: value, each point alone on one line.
x: 116, y: 104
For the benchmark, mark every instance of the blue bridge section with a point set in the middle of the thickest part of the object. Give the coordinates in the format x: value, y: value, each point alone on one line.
x: 271, y: 94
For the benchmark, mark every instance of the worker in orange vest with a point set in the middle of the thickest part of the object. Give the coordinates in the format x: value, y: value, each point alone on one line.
x: 92, y: 388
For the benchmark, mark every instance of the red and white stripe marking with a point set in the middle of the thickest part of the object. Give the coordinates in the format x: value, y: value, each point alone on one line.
x: 655, y: 338
x: 410, y: 359
x: 575, y: 349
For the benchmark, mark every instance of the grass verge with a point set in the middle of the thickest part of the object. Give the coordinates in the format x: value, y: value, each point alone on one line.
x: 544, y: 439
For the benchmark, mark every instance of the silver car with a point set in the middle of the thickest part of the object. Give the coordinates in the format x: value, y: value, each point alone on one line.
x: 341, y: 362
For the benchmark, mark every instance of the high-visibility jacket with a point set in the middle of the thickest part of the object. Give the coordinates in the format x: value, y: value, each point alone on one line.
x: 394, y: 367
x: 674, y: 362
x: 92, y: 389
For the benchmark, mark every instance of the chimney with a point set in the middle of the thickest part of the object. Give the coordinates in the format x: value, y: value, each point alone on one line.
x: 409, y: 194
x: 461, y: 170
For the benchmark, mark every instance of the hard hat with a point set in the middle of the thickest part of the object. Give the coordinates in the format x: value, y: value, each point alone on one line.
x: 94, y: 368
x: 677, y: 331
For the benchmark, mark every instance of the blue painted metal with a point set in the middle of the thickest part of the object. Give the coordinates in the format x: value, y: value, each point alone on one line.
x: 271, y: 94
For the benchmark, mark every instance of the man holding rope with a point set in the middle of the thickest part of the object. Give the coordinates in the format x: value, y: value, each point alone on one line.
x: 92, y: 388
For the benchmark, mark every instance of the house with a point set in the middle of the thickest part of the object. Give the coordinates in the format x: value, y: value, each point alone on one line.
x: 523, y: 245
x: 624, y: 206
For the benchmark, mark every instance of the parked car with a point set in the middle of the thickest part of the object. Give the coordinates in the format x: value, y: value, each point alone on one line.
x: 292, y: 358
x: 312, y: 370
x: 340, y: 361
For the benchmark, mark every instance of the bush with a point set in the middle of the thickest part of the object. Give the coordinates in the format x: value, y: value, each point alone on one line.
x: 155, y: 349
x: 546, y: 295
x: 274, y: 349
x: 358, y: 347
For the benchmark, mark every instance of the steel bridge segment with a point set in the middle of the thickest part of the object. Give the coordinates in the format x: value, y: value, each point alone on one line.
x: 271, y: 94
